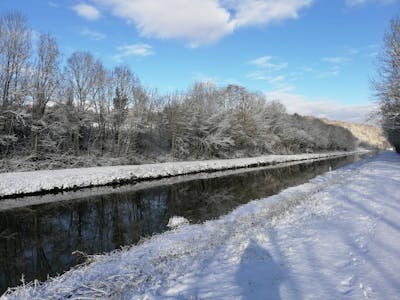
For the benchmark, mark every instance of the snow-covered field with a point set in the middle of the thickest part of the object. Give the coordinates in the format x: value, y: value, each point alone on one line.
x: 19, y: 183
x: 336, y: 237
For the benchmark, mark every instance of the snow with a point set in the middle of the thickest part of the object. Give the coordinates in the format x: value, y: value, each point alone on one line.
x: 20, y: 183
x: 335, y: 237
x: 176, y: 222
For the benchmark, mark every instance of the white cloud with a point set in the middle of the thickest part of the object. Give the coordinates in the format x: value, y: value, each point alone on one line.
x: 258, y: 12
x: 87, y: 11
x: 92, y: 34
x: 200, y: 22
x: 266, y: 62
x: 352, y: 3
x: 296, y: 103
x: 134, y: 50
x: 270, y: 70
x: 336, y: 64
x: 353, y: 51
x: 202, y: 77
x: 269, y: 78
x: 336, y: 59
x: 328, y: 74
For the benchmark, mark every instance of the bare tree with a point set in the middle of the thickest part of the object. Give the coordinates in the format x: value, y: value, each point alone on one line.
x: 387, y: 84
x: 46, y: 74
x: 45, y: 83
x: 80, y: 73
x: 125, y: 83
x: 15, y: 46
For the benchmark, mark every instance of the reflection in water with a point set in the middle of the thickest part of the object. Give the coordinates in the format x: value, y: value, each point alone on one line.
x: 39, y: 240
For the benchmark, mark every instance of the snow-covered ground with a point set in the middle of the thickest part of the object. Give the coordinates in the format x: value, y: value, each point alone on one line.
x: 19, y: 183
x: 336, y: 237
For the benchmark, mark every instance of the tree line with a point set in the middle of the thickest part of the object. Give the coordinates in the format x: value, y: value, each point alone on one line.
x: 52, y: 107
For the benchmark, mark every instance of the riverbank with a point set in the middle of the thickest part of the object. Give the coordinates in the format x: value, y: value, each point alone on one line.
x: 38, y: 182
x: 340, y: 231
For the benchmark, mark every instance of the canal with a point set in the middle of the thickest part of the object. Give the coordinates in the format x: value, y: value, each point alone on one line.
x: 48, y: 239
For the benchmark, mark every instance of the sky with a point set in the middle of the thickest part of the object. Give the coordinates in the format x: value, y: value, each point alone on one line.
x: 315, y: 56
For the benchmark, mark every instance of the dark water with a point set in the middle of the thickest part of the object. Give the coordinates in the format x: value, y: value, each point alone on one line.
x: 39, y: 240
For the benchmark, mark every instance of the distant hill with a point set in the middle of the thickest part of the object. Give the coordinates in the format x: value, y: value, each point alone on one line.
x: 368, y: 135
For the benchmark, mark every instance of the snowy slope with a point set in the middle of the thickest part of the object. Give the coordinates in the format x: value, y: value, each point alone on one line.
x: 336, y: 237
x: 18, y: 183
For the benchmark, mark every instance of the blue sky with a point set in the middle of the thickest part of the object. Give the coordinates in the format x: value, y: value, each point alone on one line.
x: 315, y: 56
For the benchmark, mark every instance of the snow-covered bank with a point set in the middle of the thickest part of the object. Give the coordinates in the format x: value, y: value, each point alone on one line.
x: 20, y: 183
x: 29, y: 200
x: 336, y: 237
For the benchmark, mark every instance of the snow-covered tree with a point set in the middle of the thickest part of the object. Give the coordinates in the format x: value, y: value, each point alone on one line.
x: 15, y: 50
x: 44, y: 85
x: 387, y: 84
